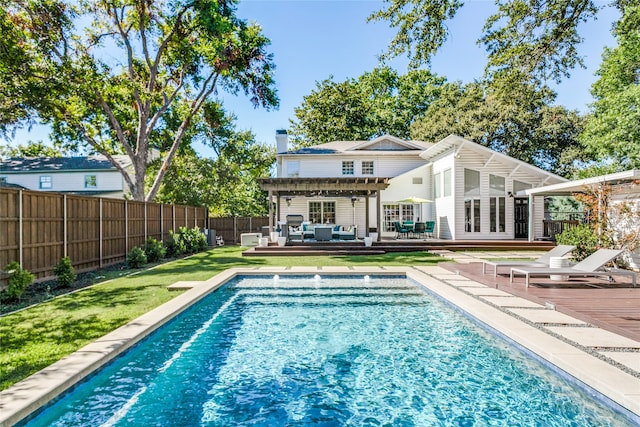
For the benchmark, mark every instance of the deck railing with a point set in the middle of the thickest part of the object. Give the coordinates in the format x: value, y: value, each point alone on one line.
x: 553, y: 227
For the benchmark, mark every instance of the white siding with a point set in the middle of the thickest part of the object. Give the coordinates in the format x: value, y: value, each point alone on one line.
x: 445, y: 212
x: 69, y: 181
x: 320, y: 166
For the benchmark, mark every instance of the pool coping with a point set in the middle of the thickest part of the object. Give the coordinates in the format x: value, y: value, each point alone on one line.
x: 27, y: 396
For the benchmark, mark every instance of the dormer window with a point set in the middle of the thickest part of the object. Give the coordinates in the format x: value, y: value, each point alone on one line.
x: 347, y: 167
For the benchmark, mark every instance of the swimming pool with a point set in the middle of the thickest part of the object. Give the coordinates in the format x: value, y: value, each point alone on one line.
x: 324, y: 351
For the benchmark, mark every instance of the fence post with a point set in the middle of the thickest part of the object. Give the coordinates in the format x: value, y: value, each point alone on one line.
x: 146, y: 233
x: 173, y: 212
x: 126, y: 228
x: 100, y: 232
x: 186, y: 216
x: 235, y: 229
x: 65, y: 226
x: 21, y: 226
x: 161, y: 222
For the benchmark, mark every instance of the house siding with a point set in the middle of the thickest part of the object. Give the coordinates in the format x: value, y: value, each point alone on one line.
x: 68, y: 181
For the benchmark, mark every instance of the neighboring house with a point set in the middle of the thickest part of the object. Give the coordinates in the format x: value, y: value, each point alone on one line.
x: 92, y: 175
x: 471, y: 190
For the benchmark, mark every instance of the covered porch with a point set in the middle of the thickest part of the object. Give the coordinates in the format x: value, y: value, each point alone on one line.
x: 352, y: 192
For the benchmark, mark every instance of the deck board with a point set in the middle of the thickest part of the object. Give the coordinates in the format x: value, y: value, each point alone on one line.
x: 611, y: 306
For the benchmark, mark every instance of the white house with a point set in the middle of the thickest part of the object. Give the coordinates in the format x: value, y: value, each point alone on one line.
x: 92, y: 175
x: 470, y: 191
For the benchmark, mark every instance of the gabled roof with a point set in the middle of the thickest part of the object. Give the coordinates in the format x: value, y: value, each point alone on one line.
x: 60, y: 164
x: 494, y: 159
x: 385, y: 143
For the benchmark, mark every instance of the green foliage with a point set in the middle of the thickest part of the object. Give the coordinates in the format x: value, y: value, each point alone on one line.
x: 65, y: 272
x: 583, y: 237
x: 174, y: 245
x: 421, y: 27
x: 32, y: 149
x: 19, y: 279
x: 194, y: 239
x: 154, y: 250
x: 612, y: 134
x: 226, y: 184
x: 136, y: 258
x: 377, y: 103
x: 174, y: 55
x: 518, y: 121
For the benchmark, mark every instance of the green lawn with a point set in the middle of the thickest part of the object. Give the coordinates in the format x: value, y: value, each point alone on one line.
x: 39, y: 336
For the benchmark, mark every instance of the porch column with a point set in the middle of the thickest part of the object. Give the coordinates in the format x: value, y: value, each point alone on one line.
x: 270, y: 197
x: 366, y: 215
x: 378, y: 222
x: 531, y: 217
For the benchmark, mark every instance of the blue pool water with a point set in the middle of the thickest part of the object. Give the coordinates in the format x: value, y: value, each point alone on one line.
x: 304, y: 351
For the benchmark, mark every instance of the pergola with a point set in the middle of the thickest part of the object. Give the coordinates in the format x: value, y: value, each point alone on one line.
x: 326, y: 187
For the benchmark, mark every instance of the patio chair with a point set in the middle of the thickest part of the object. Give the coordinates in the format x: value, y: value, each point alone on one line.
x: 402, y: 229
x: 419, y: 229
x: 588, y: 267
x: 543, y: 261
x: 429, y: 228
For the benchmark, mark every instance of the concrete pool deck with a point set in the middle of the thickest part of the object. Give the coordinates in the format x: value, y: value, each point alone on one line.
x: 604, y: 361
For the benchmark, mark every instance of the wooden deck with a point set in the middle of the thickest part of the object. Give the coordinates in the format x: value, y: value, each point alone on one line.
x: 392, y: 245
x: 611, y: 306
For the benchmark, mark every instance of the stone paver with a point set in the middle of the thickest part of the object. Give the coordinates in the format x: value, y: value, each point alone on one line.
x: 631, y: 359
x: 545, y: 316
x: 594, y: 337
x: 511, y: 302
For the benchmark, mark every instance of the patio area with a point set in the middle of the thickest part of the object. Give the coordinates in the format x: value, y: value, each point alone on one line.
x: 611, y: 306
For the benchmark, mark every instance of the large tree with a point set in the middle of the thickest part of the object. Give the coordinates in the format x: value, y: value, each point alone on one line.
x: 525, y: 126
x: 377, y: 103
x: 612, y: 133
x: 124, y: 76
x: 226, y: 183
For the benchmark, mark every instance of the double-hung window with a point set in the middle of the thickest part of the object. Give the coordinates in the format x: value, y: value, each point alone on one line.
x: 45, y: 182
x: 347, y: 167
x: 367, y: 167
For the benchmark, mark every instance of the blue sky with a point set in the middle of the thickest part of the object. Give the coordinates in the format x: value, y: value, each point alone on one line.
x: 312, y: 40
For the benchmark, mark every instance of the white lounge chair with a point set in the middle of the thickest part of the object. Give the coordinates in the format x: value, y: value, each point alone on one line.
x: 588, y: 267
x: 543, y: 261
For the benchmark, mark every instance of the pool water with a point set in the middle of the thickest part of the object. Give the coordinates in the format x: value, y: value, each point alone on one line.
x: 305, y: 351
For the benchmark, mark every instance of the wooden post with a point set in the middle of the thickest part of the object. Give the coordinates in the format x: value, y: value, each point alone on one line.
x: 65, y: 227
x: 100, y: 232
x: 20, y: 226
x: 378, y: 208
x: 126, y: 228
x: 270, y: 197
x: 173, y: 219
x: 146, y: 223
x: 161, y: 222
x: 366, y: 215
x: 186, y: 216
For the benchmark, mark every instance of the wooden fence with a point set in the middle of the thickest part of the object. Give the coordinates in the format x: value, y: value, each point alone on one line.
x: 230, y: 228
x: 38, y: 228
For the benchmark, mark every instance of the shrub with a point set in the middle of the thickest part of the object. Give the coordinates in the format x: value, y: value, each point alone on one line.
x: 194, y: 239
x: 174, y: 245
x: 19, y: 279
x: 583, y: 237
x: 154, y: 250
x: 136, y: 258
x: 65, y: 272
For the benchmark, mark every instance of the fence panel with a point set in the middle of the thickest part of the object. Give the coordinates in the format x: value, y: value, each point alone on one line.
x: 38, y: 228
x: 230, y: 228
x: 83, y: 228
x: 114, y: 237
x: 9, y: 227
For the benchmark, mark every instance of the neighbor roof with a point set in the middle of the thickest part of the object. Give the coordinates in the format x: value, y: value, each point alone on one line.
x: 60, y: 164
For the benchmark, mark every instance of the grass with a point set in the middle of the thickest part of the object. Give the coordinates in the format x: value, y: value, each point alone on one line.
x: 36, y: 337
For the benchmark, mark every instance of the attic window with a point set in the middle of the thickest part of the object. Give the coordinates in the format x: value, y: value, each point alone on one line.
x: 3, y: 179
x: 417, y: 180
